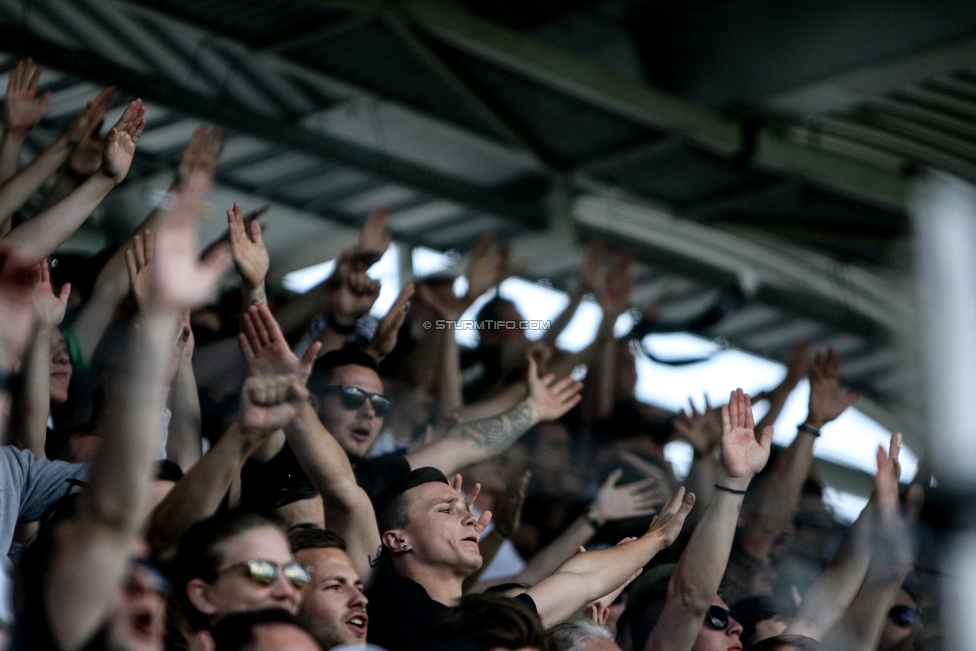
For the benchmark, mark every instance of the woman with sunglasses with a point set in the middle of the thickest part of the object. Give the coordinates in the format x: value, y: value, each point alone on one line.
x: 234, y: 562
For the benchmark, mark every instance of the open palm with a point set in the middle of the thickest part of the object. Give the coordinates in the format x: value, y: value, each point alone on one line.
x: 742, y: 455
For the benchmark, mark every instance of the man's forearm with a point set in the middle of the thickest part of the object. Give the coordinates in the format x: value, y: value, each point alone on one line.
x: 183, y: 443
x: 495, y: 434
x: 16, y: 190
x: 11, y: 144
x: 779, y: 495
x: 564, y: 547
x: 198, y: 494
x: 835, y: 588
x: 39, y: 236
x: 321, y: 456
x: 589, y: 576
x: 33, y: 407
x: 118, y: 491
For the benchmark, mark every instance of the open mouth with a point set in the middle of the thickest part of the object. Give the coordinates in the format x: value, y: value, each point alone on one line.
x: 358, y: 623
x: 360, y: 434
x: 144, y: 626
x: 472, y: 538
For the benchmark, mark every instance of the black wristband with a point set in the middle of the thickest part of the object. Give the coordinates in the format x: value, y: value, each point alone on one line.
x: 338, y: 327
x: 734, y: 491
x: 809, y: 429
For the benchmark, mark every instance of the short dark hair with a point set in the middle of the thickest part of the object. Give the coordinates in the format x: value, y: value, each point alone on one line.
x: 391, y: 505
x: 752, y: 610
x: 315, y: 539
x: 491, y: 311
x: 777, y: 642
x: 326, y: 365
x: 491, y: 621
x: 236, y: 632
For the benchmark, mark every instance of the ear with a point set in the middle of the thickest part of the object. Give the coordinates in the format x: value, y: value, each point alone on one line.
x: 198, y: 592
x: 396, y: 541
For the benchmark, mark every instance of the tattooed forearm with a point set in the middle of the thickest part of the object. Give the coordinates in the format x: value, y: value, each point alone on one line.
x: 497, y: 432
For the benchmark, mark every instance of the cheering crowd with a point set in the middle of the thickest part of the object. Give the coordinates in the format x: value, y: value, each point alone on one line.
x: 265, y: 471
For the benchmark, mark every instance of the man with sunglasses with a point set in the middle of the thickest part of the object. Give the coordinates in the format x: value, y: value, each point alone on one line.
x: 349, y: 403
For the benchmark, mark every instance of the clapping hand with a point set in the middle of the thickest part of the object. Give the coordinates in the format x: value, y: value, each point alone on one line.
x: 385, y: 338
x: 120, y: 143
x: 22, y: 108
x: 265, y: 348
x: 743, y: 456
x: 48, y: 306
x: 550, y: 398
x: 827, y: 399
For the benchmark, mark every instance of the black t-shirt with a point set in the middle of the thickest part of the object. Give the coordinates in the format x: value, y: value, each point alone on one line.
x: 402, y: 615
x: 373, y: 475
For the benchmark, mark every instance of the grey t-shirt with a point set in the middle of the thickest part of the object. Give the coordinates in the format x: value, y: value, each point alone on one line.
x: 28, y: 485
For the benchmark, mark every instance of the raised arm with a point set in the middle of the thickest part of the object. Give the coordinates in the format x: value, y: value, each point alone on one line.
x: 42, y: 234
x: 590, y: 576
x: 479, y: 440
x: 780, y: 492
x: 385, y: 338
x: 586, y: 282
x: 17, y: 280
x: 183, y: 445
x: 92, y: 552
x: 34, y: 403
x: 22, y: 110
x: 250, y: 256
x: 348, y: 510
x: 797, y: 368
x: 266, y: 407
x: 699, y: 571
x: 891, y: 559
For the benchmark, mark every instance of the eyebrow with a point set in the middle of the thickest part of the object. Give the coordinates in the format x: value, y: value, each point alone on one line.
x: 446, y: 500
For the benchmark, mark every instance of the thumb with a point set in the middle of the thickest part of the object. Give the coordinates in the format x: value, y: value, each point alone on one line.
x: 65, y: 293
x: 311, y: 354
x: 766, y: 438
x: 533, y: 370
x: 613, y: 478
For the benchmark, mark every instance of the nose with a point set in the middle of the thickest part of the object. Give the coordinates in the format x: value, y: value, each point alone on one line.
x: 735, y: 628
x: 283, y: 591
x: 470, y: 519
x: 367, y: 411
x: 357, y: 599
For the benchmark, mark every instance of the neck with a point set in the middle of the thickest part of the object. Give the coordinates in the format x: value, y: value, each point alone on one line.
x: 444, y: 585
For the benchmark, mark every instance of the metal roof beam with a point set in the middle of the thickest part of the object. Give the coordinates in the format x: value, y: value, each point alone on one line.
x: 525, y: 209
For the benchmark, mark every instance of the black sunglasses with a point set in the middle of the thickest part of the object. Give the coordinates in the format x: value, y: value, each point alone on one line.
x: 904, y: 615
x: 264, y: 572
x: 354, y: 397
x: 718, y: 617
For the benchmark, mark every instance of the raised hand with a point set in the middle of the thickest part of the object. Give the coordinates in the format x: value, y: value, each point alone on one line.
x: 48, y: 306
x: 17, y: 281
x: 120, y: 144
x: 385, y: 338
x: 374, y: 239
x: 22, y: 108
x: 551, y: 399
x: 353, y: 292
x: 667, y: 525
x: 265, y: 348
x: 488, y: 267
x: 618, y: 283
x: 589, y: 270
x: 247, y: 247
x: 138, y: 260
x: 827, y: 399
x: 469, y: 500
x: 508, y: 512
x: 201, y: 155
x: 798, y: 362
x: 181, y: 279
x: 450, y: 310
x: 742, y: 455
x: 634, y: 500
x: 270, y: 402
x: 89, y: 123
x: 702, y: 430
